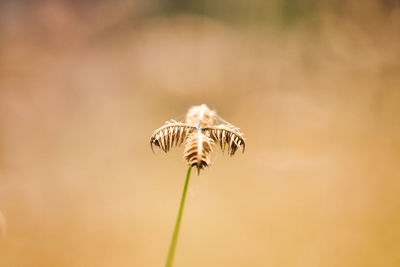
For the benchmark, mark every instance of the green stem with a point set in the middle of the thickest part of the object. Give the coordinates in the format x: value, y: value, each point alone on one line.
x: 174, y: 239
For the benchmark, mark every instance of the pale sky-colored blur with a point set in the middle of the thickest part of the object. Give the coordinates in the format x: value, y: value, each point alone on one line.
x: 314, y: 85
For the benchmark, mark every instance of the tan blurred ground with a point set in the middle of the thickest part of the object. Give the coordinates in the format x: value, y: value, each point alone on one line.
x: 83, y: 88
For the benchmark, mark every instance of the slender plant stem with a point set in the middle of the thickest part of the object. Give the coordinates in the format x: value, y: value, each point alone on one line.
x: 172, y: 247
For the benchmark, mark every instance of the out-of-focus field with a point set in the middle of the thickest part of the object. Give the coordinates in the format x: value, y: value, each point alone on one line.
x: 83, y: 86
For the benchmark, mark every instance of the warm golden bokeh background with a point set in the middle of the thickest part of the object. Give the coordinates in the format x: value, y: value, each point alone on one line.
x: 314, y: 85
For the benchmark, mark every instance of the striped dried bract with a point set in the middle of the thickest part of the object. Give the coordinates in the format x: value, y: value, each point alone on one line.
x: 200, y: 116
x: 200, y: 134
x: 198, y: 149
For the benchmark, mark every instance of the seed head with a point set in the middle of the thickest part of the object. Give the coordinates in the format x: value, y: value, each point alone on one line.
x: 199, y: 134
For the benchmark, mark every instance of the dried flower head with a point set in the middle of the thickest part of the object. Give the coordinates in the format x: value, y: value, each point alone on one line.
x: 199, y: 134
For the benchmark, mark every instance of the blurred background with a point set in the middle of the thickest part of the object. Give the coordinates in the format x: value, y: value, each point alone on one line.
x: 314, y: 85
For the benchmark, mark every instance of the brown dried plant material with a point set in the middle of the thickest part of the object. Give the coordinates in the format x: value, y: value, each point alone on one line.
x: 199, y: 135
x: 200, y: 116
x: 198, y: 149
